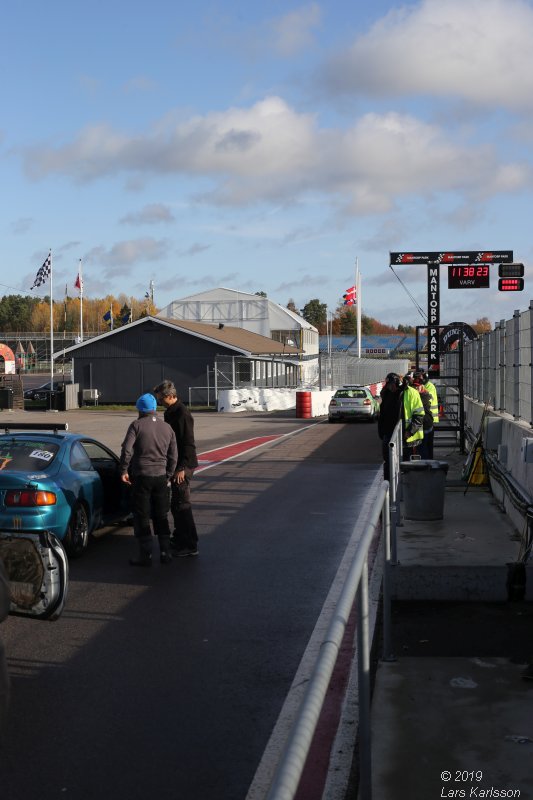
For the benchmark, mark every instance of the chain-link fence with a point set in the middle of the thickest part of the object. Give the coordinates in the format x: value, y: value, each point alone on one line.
x: 498, y: 367
x: 325, y: 372
x: 339, y: 369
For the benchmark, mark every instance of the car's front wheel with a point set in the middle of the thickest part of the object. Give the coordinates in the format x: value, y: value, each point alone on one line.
x: 77, y: 537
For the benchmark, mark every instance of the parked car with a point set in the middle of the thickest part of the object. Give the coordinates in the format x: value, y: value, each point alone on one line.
x: 36, y: 568
x: 5, y: 601
x: 42, y: 392
x: 33, y: 583
x: 353, y: 402
x: 57, y: 485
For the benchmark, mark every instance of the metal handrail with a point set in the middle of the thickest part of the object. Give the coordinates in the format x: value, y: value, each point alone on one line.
x: 287, y: 776
x: 395, y: 457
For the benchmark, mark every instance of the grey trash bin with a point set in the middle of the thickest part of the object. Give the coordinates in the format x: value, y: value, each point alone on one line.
x: 423, y: 485
x: 6, y: 399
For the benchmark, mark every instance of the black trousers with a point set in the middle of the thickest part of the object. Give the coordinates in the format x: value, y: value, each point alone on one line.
x: 185, y: 534
x: 425, y: 450
x: 385, y: 451
x: 149, y: 500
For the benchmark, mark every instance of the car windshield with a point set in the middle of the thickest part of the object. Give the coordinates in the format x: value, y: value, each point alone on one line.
x: 351, y: 393
x: 26, y: 455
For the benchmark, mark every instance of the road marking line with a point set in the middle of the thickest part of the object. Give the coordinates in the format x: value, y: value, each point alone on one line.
x: 212, y: 458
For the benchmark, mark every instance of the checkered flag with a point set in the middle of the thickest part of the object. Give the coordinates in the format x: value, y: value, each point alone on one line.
x: 43, y: 273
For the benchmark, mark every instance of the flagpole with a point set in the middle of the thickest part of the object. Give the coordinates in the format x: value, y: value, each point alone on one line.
x: 330, y: 365
x: 81, y: 302
x: 51, y: 327
x: 358, y: 301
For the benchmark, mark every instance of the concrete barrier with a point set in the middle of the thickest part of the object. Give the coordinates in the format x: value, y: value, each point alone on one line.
x: 255, y: 399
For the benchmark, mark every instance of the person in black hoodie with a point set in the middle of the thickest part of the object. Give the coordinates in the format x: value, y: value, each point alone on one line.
x: 389, y: 414
x: 184, y: 541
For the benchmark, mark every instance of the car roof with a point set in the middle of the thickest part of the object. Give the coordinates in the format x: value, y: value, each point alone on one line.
x: 53, y: 429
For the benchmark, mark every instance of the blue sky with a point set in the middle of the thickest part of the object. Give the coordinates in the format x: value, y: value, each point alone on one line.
x: 266, y: 146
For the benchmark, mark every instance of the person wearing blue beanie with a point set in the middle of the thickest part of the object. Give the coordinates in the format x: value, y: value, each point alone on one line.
x: 148, y: 459
x: 146, y: 403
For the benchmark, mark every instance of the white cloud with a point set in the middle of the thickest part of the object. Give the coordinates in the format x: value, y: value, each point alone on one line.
x: 302, y: 282
x: 149, y: 215
x: 22, y: 225
x: 123, y: 255
x: 194, y: 250
x: 140, y: 84
x: 477, y: 50
x: 293, y: 31
x: 271, y: 153
x: 200, y: 281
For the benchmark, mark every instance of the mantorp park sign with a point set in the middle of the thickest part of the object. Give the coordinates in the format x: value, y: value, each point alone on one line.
x: 434, y: 261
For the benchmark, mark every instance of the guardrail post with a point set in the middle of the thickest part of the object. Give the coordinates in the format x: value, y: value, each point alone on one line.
x: 387, y: 601
x: 394, y: 503
x: 363, y: 668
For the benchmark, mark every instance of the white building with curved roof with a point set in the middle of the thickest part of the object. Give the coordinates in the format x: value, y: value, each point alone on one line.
x: 253, y: 313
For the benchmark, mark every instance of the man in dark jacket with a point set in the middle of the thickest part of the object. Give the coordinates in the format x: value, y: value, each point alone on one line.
x: 184, y: 540
x: 148, y: 461
x: 389, y: 415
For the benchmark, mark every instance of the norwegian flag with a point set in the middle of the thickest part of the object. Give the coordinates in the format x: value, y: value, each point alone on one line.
x: 350, y: 296
x: 43, y: 273
x: 78, y: 283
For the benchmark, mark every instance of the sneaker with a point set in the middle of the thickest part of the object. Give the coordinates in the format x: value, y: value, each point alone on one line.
x: 141, y: 561
x: 185, y: 551
x: 165, y: 557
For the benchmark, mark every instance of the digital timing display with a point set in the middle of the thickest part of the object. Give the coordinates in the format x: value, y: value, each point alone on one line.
x: 471, y: 276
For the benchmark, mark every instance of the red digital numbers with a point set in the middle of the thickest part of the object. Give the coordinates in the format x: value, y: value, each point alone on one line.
x: 468, y: 276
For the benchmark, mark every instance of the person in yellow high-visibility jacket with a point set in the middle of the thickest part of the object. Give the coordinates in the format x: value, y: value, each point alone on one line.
x: 430, y: 387
x: 413, y: 417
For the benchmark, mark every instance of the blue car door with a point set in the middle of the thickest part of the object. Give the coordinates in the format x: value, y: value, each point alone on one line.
x: 85, y: 484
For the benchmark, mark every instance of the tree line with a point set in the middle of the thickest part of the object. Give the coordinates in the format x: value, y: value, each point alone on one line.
x: 24, y: 313
x: 343, y: 321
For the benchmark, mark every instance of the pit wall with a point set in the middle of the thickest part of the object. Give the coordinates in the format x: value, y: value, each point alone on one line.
x: 234, y: 400
x: 503, y: 437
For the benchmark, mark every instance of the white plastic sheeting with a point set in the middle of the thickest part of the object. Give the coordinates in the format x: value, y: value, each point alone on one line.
x: 232, y: 400
x: 256, y: 399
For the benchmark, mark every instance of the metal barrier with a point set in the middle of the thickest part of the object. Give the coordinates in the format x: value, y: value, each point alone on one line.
x: 336, y: 369
x: 395, y: 457
x: 289, y: 770
x: 498, y: 366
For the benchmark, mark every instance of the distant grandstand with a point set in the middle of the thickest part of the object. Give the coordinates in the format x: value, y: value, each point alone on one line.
x: 372, y: 345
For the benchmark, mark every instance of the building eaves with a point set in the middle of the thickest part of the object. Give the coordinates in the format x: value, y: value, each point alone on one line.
x: 242, y: 341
